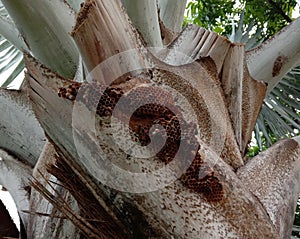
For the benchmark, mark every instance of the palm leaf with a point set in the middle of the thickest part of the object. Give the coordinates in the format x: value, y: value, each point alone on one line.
x: 11, y: 59
x: 11, y: 80
x: 11, y: 64
x: 239, y: 35
x: 281, y: 112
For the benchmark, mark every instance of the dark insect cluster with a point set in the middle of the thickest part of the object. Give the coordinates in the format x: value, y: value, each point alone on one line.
x: 153, y: 106
x: 69, y: 92
x: 200, y: 178
x: 279, y: 62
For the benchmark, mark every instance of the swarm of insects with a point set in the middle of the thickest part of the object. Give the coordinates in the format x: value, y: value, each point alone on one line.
x: 199, y: 177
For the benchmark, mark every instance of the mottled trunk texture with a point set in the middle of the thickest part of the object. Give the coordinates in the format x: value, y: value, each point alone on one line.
x: 109, y: 171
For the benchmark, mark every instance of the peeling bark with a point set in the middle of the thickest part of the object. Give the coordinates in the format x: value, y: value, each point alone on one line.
x: 166, y: 34
x: 41, y: 213
x: 196, y: 42
x: 99, y: 25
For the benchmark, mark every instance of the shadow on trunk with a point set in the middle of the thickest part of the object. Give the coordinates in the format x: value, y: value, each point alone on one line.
x: 7, y: 226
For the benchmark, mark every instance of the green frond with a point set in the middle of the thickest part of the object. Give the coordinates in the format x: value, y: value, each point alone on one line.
x: 280, y: 114
x: 11, y: 65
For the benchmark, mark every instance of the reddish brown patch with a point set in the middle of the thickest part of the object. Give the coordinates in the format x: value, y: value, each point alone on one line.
x: 82, y: 15
x: 280, y: 60
x: 199, y: 177
x: 69, y: 92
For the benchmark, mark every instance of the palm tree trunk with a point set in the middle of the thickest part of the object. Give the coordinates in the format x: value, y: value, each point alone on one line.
x: 211, y: 190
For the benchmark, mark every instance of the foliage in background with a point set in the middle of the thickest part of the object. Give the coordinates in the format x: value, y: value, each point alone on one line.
x: 280, y: 115
x: 211, y: 14
x: 272, y: 15
x: 269, y: 15
x: 11, y: 62
x: 11, y: 59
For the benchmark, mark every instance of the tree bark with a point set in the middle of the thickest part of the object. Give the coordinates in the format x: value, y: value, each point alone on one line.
x: 20, y: 132
x: 200, y: 76
x: 41, y: 213
x: 273, y: 177
x: 192, y: 206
